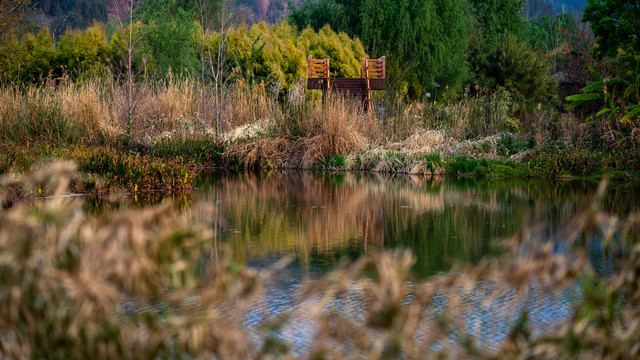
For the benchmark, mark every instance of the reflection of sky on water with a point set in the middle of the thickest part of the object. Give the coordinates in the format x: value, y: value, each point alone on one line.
x: 319, y: 221
x: 488, y: 323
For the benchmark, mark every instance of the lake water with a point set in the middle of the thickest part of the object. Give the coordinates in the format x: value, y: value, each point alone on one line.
x: 321, y: 220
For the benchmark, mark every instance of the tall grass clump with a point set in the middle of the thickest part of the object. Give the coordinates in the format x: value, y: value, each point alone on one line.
x: 305, y: 132
x: 477, y: 114
x: 70, y: 283
x: 57, y: 115
x: 325, y: 129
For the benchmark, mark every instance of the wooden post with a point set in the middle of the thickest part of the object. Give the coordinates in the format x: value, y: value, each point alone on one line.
x: 367, y: 104
x: 328, y: 75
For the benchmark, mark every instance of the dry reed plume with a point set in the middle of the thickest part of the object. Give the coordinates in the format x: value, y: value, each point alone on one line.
x: 68, y: 279
x: 77, y: 286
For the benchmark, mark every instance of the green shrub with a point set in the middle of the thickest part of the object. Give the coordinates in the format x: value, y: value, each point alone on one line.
x: 84, y: 51
x: 507, y: 63
x: 133, y: 172
x: 433, y: 162
x: 554, y: 162
x: 200, y: 151
x: 462, y: 165
x: 335, y: 162
x: 509, y: 144
x: 37, y: 58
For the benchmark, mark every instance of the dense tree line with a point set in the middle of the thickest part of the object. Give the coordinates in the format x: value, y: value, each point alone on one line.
x: 449, y: 43
x: 280, y: 56
x: 452, y: 43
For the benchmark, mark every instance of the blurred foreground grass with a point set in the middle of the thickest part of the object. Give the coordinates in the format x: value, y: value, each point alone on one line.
x: 66, y: 277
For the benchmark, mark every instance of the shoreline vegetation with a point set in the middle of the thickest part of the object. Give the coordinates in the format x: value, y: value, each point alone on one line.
x: 476, y: 136
x: 139, y: 102
x: 139, y: 105
x: 168, y: 139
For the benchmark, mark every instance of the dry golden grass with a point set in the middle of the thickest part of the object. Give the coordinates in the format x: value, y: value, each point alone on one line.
x: 67, y: 278
x: 256, y: 129
x: 65, y: 113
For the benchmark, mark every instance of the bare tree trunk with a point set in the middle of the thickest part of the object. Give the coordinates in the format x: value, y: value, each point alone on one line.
x: 129, y: 69
x: 218, y: 15
x: 203, y: 6
x: 224, y: 17
x: 131, y: 42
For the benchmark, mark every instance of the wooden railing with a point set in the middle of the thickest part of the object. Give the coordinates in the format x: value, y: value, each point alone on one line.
x: 373, y: 68
x: 319, y: 68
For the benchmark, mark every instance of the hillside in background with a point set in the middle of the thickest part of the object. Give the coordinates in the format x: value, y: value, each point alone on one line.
x: 534, y: 9
x: 270, y: 11
x: 63, y: 14
x: 568, y: 6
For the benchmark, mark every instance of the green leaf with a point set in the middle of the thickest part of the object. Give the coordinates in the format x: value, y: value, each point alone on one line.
x: 631, y: 114
x: 616, y: 81
x: 593, y: 86
x: 594, y: 73
x: 584, y: 97
x: 574, y: 104
x: 603, y: 111
x: 613, y: 112
x: 630, y: 90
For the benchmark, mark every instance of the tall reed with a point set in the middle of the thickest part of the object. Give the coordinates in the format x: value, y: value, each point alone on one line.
x: 92, y: 111
x: 255, y: 126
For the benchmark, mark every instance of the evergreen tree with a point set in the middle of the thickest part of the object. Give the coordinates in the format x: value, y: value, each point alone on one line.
x: 170, y: 35
x: 424, y: 41
x: 499, y: 16
x: 616, y: 25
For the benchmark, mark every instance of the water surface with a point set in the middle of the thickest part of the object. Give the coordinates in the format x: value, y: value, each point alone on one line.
x: 321, y: 220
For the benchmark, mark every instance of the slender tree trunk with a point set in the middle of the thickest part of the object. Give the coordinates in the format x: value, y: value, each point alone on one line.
x: 203, y: 33
x: 130, y: 69
x: 224, y: 14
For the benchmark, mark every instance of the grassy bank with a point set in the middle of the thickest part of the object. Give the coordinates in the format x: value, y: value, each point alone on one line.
x: 102, y: 169
x: 169, y: 133
x: 143, y: 284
